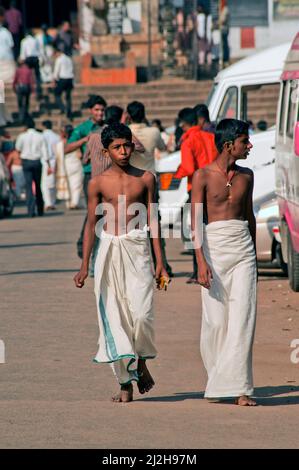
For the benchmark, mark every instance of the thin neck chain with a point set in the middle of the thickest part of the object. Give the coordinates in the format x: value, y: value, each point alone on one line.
x: 227, y: 177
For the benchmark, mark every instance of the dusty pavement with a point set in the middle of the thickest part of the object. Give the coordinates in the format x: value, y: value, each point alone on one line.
x: 53, y: 396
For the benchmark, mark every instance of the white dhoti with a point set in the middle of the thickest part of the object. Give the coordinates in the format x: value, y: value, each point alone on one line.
x: 124, y: 295
x: 229, y: 309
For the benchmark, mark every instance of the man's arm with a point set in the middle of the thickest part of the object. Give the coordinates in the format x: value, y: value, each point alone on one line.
x: 187, y: 166
x: 153, y: 222
x: 138, y: 145
x: 197, y: 201
x: 89, y: 232
x: 75, y: 142
x: 160, y: 144
x: 249, y: 211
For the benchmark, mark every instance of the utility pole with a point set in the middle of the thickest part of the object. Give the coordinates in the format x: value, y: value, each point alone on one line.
x: 220, y: 38
x: 149, y: 40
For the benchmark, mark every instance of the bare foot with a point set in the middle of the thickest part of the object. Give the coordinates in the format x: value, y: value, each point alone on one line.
x: 244, y: 400
x: 145, y: 382
x: 125, y: 395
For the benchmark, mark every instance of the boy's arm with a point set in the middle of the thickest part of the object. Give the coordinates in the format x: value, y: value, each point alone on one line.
x: 154, y: 225
x: 249, y: 211
x: 89, y: 232
x: 198, y: 194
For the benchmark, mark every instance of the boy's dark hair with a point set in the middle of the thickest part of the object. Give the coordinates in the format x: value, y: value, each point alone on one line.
x: 115, y: 131
x: 113, y: 114
x: 136, y: 111
x: 94, y: 100
x: 188, y: 116
x: 202, y: 111
x: 228, y: 130
x: 47, y: 124
x: 29, y: 122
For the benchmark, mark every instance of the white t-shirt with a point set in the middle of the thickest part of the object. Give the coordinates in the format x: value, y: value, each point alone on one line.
x: 29, y: 48
x: 32, y: 146
x: 6, y: 44
x: 151, y: 139
x: 63, y: 67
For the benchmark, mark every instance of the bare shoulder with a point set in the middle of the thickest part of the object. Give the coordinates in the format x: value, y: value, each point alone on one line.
x: 95, y: 185
x: 246, y: 172
x: 199, y: 177
x: 149, y: 178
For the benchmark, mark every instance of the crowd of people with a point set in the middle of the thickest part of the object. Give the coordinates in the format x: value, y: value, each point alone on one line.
x: 28, y: 60
x: 199, y: 33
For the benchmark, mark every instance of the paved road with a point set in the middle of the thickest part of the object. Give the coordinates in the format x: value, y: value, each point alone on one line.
x: 53, y: 396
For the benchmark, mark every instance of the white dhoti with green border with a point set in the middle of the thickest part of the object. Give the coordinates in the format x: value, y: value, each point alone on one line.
x: 124, y: 295
x: 229, y: 309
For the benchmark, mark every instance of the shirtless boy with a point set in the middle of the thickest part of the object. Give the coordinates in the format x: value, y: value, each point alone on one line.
x: 227, y: 265
x: 123, y: 276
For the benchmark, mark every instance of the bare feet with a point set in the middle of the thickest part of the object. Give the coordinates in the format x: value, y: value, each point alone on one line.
x: 244, y: 400
x: 145, y: 382
x: 125, y: 395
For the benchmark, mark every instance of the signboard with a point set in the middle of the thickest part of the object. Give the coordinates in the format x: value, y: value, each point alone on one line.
x: 285, y: 9
x: 115, y: 16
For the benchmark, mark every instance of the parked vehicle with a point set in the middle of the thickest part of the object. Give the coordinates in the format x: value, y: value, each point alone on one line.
x: 6, y: 191
x: 236, y: 93
x: 287, y: 163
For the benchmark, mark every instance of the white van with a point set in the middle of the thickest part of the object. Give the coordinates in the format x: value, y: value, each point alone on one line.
x: 287, y: 163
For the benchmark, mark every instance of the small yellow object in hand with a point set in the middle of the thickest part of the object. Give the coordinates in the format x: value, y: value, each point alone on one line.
x: 163, y: 282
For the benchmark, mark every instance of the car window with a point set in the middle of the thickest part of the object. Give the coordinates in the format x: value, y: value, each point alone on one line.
x: 229, y: 106
x: 292, y: 114
x: 284, y: 106
x: 259, y: 105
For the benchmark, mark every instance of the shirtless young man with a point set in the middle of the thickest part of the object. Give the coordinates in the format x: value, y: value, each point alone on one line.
x: 123, y: 275
x: 227, y: 265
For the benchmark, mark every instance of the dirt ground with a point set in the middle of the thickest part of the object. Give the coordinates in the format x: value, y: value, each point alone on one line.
x: 53, y: 396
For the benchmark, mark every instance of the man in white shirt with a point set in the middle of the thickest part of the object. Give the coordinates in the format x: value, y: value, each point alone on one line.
x: 30, y: 51
x: 7, y: 65
x: 64, y: 77
x: 33, y: 151
x: 151, y: 139
x: 49, y: 168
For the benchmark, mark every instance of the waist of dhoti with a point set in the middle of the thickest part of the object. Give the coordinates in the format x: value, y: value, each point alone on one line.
x: 225, y: 236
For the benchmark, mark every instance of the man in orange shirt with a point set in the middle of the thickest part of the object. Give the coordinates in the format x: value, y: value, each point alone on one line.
x: 197, y: 150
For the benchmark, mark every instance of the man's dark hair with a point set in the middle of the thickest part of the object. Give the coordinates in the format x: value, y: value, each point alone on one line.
x: 29, y: 122
x: 188, y: 116
x: 68, y: 129
x: 136, y: 111
x: 115, y: 131
x: 94, y: 100
x: 113, y: 114
x: 47, y: 124
x: 262, y: 125
x: 202, y: 111
x: 228, y: 130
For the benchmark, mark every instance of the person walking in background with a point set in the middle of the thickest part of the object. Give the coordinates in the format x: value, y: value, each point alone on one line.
x: 23, y: 86
x: 14, y: 163
x: 13, y: 19
x: 151, y: 139
x: 224, y: 22
x: 69, y: 174
x: 78, y: 141
x: 45, y: 41
x: 197, y: 150
x: 203, y: 118
x: 49, y: 167
x: 64, y: 40
x: 33, y: 150
x: 64, y: 78
x: 7, y: 64
x: 30, y: 51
